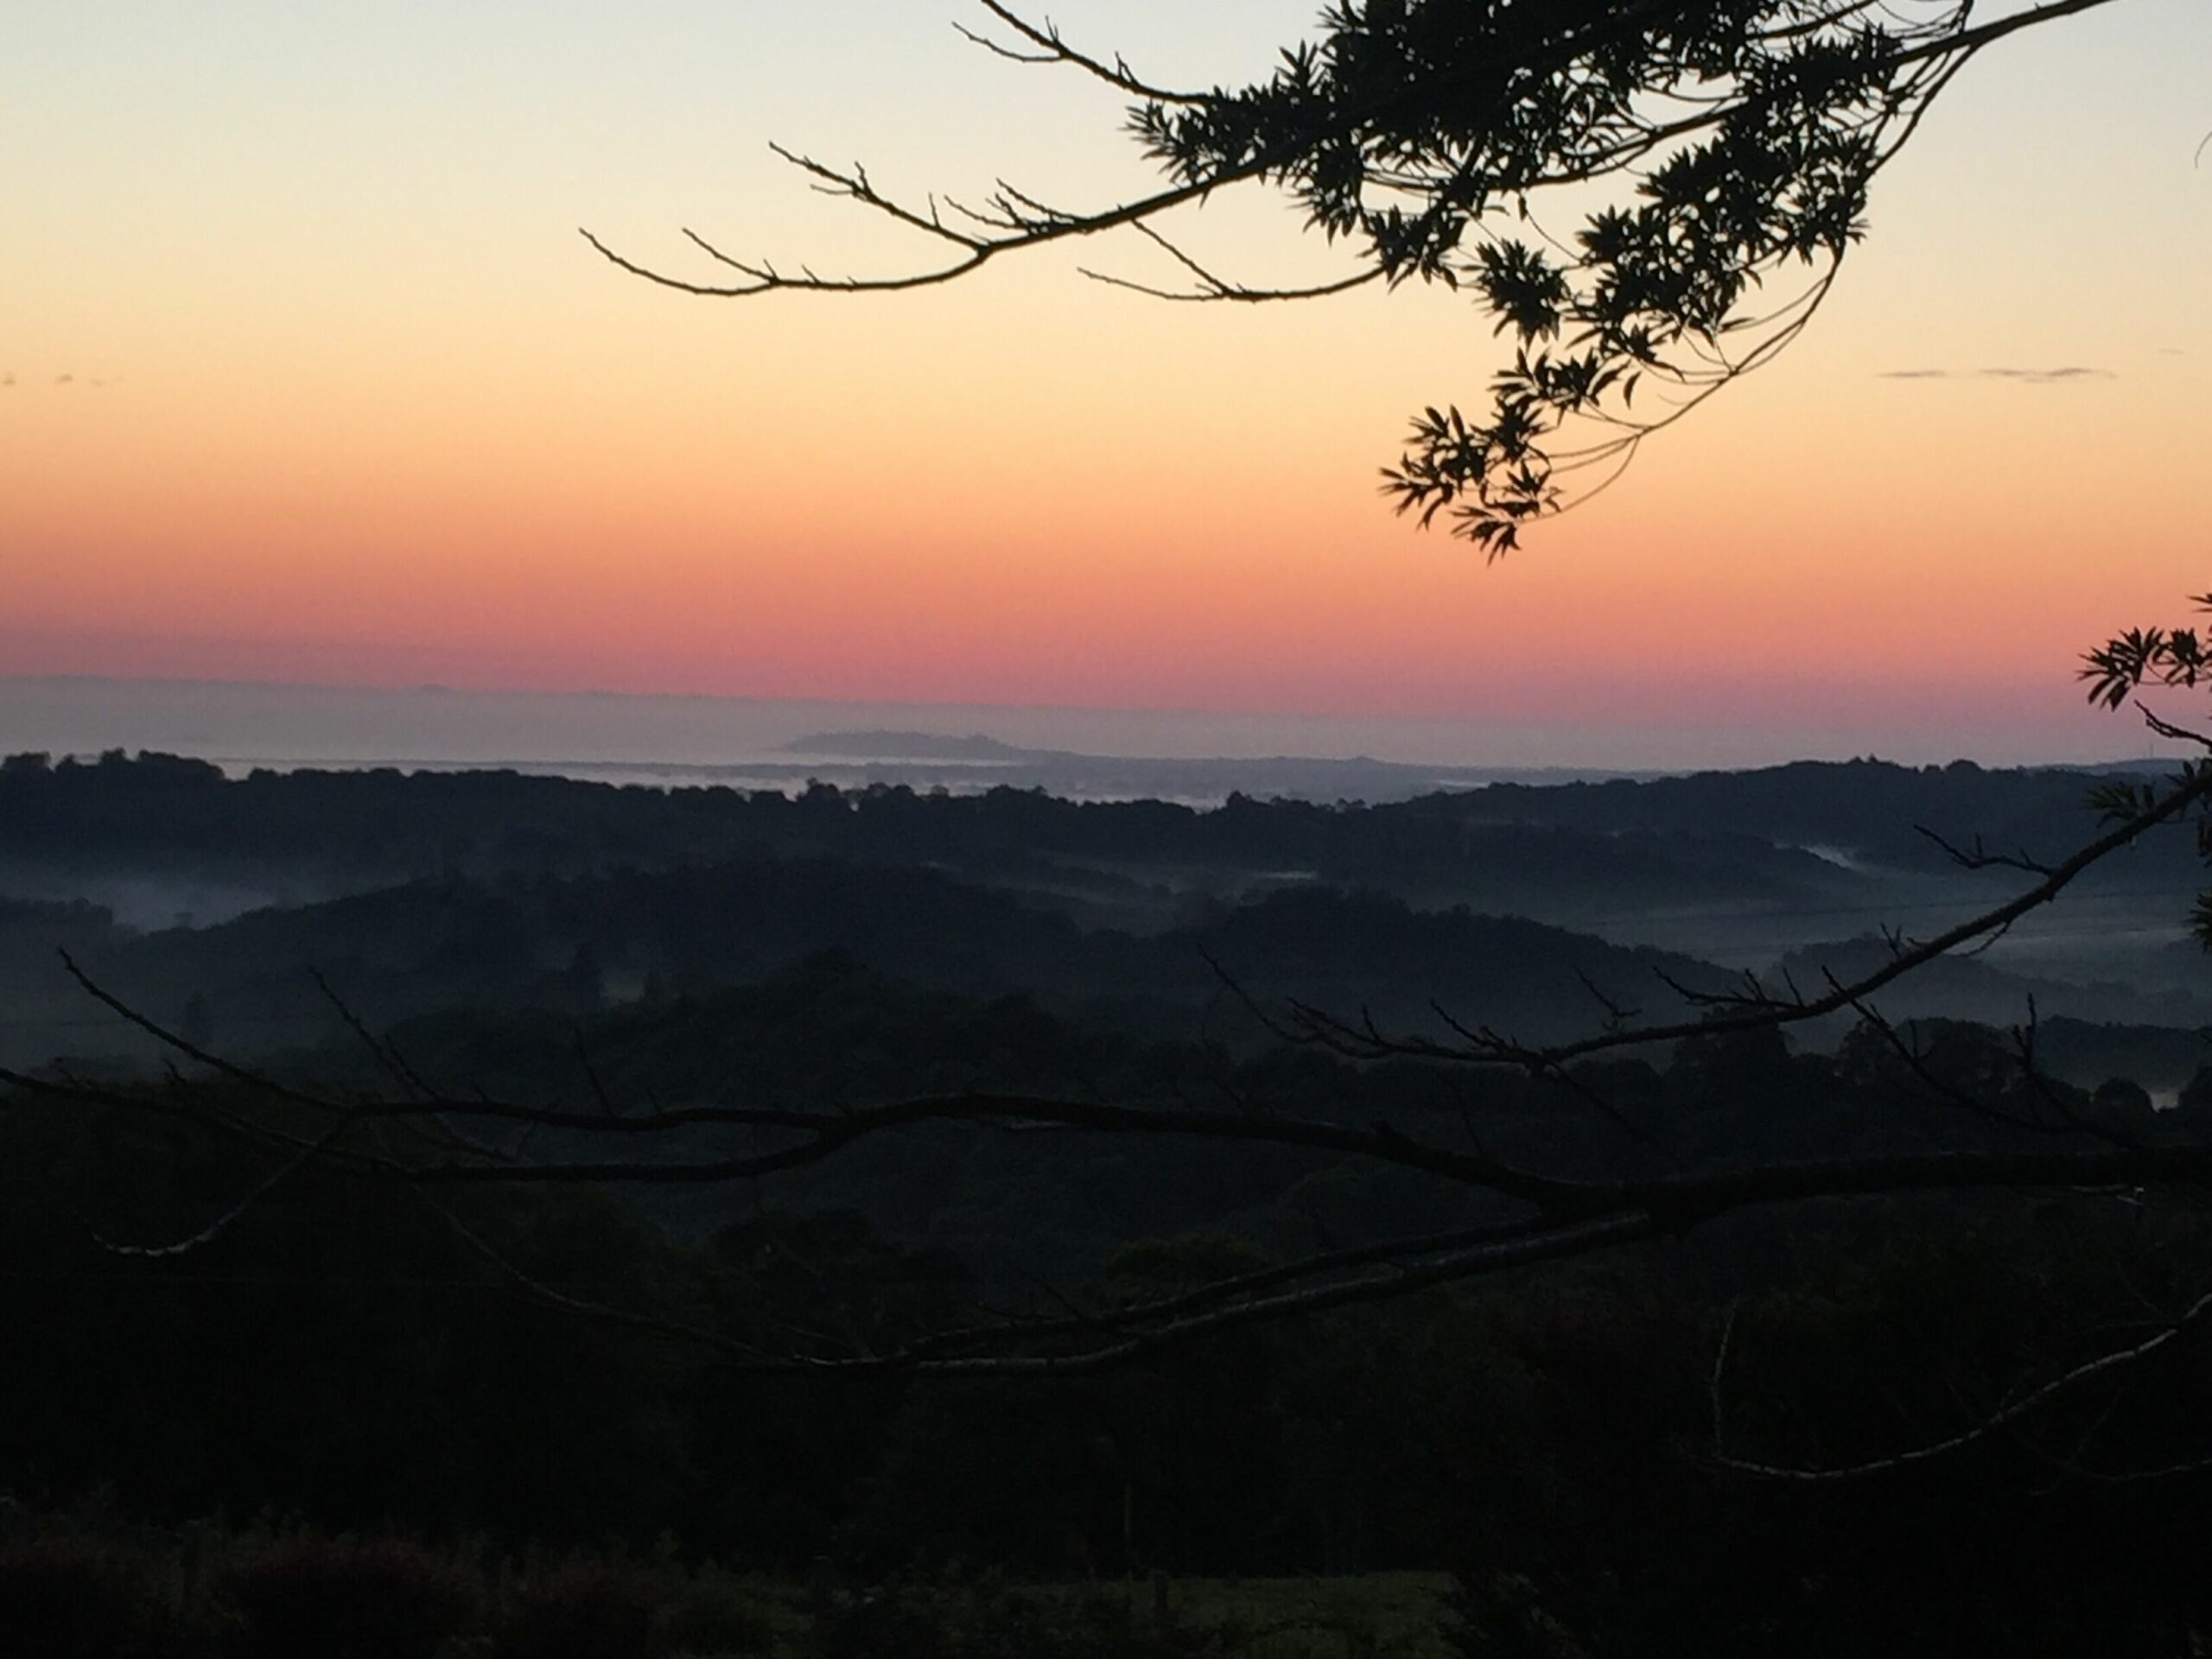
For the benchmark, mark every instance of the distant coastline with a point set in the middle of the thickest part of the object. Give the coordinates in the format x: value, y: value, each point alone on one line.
x: 672, y: 739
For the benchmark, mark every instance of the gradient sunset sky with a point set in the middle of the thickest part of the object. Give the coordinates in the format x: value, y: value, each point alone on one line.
x: 309, y: 378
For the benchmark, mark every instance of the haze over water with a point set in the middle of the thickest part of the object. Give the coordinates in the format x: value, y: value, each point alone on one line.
x: 747, y: 741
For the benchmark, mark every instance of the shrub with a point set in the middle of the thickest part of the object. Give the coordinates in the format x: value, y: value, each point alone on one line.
x: 947, y: 1619
x: 340, y: 1600
x: 718, y: 1615
x: 582, y: 1611
x: 1504, y: 1615
x: 71, y: 1599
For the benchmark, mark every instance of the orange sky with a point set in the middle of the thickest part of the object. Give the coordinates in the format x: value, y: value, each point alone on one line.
x: 368, y: 412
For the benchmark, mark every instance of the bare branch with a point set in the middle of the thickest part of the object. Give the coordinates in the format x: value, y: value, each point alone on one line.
x: 311, y: 1153
x: 1213, y: 289
x: 1053, y: 50
x: 1979, y: 857
x: 763, y: 278
x: 1486, y: 1048
x: 2064, y: 1384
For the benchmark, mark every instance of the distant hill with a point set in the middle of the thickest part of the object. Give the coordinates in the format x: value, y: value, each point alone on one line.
x: 1869, y: 809
x: 579, y: 944
x: 1964, y: 987
x: 906, y: 746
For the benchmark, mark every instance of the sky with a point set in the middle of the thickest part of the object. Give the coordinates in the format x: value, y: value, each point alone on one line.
x: 308, y: 378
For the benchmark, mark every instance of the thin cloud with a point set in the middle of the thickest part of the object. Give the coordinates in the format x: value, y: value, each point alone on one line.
x: 2046, y: 376
x: 2037, y: 377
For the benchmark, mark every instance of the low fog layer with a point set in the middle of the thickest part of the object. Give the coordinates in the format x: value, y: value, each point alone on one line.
x: 1523, y: 905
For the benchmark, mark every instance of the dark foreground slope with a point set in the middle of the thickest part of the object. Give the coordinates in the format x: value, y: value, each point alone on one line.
x: 342, y: 1357
x: 497, y: 1370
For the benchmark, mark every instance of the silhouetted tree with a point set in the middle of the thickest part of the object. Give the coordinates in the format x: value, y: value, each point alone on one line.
x: 1426, y: 137
x: 1741, y: 139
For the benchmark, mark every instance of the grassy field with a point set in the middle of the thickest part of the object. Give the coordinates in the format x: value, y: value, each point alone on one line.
x: 1374, y: 1616
x: 67, y: 1588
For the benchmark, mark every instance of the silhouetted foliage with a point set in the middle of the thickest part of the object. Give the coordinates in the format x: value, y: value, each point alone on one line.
x: 1429, y: 138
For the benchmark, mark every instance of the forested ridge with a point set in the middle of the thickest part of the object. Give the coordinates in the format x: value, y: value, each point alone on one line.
x: 339, y: 1356
x: 410, y: 892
